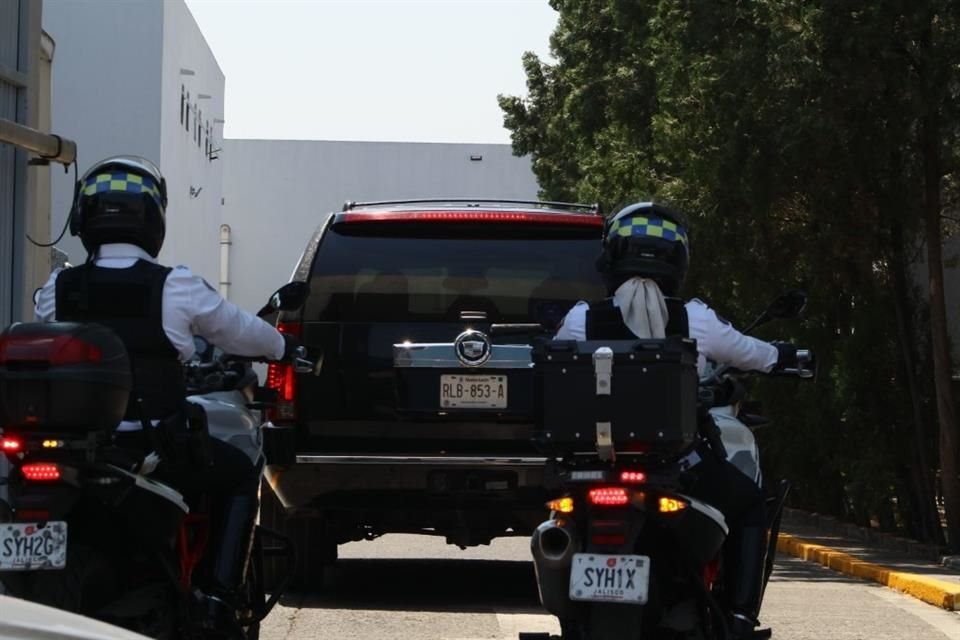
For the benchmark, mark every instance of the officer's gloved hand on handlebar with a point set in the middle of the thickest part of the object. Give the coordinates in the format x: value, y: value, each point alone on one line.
x: 291, y: 346
x: 786, y: 355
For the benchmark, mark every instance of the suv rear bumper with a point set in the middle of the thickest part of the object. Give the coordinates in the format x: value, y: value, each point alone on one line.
x: 361, y: 495
x: 308, y: 483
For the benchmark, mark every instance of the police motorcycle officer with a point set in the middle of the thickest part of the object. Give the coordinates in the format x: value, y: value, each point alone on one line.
x: 119, y: 215
x: 646, y: 249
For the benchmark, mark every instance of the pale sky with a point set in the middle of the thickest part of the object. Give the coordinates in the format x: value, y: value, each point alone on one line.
x: 388, y: 70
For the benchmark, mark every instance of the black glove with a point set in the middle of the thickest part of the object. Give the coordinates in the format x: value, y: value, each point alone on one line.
x: 290, y: 346
x: 786, y: 355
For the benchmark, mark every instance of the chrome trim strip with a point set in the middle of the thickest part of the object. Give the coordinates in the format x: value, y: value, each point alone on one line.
x: 450, y: 461
x: 410, y: 355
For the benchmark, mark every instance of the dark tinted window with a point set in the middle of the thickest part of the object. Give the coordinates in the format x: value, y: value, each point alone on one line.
x: 436, y: 272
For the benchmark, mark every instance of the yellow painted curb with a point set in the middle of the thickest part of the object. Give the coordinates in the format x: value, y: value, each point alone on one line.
x: 931, y: 590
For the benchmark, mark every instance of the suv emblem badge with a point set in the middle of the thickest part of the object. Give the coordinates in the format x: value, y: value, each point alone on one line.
x: 473, y: 348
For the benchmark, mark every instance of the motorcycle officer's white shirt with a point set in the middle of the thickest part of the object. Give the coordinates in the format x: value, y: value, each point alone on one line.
x: 190, y: 307
x: 716, y: 340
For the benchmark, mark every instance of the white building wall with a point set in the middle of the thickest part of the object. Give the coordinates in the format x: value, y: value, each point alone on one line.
x: 276, y: 193
x: 117, y: 87
x: 193, y: 221
x: 106, y: 87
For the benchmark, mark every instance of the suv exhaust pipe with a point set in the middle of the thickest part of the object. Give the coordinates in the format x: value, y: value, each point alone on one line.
x: 553, y: 545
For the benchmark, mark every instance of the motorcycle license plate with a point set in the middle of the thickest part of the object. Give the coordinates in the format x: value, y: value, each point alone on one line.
x: 27, y: 546
x: 596, y: 577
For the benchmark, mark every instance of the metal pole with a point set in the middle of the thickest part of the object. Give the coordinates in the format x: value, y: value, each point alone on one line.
x: 45, y: 145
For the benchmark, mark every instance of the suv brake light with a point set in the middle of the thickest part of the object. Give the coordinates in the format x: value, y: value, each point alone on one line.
x: 516, y: 217
x: 281, y: 378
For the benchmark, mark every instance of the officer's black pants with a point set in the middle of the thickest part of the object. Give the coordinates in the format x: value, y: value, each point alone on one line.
x: 722, y: 485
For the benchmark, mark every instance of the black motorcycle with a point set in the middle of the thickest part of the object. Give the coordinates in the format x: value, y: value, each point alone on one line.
x: 89, y: 530
x: 628, y: 552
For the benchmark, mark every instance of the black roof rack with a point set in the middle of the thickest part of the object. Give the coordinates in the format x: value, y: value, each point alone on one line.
x: 477, y: 202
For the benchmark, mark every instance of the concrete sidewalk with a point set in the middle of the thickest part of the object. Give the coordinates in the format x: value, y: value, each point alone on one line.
x: 914, y: 569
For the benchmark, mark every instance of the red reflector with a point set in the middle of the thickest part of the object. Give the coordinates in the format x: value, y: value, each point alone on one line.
x: 634, y: 477
x: 609, y: 496
x: 40, y: 471
x: 516, y: 217
x: 608, y: 539
x: 33, y: 515
x: 64, y: 349
x: 10, y: 444
x: 711, y: 571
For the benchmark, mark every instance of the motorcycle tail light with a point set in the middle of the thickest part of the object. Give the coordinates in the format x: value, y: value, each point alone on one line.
x: 608, y: 496
x: 633, y: 477
x: 41, y: 471
x: 10, y: 444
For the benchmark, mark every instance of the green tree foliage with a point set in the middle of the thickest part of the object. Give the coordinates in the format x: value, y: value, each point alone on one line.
x: 797, y: 136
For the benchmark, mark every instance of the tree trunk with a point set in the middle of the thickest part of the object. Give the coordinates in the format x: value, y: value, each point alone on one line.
x: 949, y: 478
x: 928, y: 518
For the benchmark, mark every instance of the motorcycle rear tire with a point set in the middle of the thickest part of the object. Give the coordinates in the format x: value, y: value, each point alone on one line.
x: 86, y: 584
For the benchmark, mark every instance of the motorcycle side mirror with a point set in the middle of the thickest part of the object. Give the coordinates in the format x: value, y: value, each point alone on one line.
x: 289, y: 297
x: 787, y: 306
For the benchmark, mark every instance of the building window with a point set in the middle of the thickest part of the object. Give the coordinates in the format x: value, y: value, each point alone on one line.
x: 186, y: 121
x: 199, y: 128
x: 183, y: 100
x: 206, y: 143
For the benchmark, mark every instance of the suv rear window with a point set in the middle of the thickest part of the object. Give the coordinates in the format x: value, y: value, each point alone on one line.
x: 436, y: 272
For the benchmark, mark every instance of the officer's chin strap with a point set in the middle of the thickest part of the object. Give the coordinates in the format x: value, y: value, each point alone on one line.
x: 603, y: 372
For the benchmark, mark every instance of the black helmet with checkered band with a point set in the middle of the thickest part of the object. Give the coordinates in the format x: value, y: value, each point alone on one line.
x: 648, y: 240
x: 121, y: 199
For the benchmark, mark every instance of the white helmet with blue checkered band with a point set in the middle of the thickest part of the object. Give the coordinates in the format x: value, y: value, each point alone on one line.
x: 646, y: 240
x: 121, y: 199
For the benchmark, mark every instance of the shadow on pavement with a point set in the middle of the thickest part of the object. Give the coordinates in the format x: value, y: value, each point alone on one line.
x: 424, y: 585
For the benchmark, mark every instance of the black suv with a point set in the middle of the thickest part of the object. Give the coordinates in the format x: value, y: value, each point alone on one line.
x: 418, y: 416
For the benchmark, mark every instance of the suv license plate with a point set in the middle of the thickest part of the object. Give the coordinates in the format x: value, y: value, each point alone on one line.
x: 473, y: 392
x: 603, y: 578
x: 28, y: 546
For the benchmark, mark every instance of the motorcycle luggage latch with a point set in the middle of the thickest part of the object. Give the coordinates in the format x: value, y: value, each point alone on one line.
x: 605, y: 441
x: 603, y: 369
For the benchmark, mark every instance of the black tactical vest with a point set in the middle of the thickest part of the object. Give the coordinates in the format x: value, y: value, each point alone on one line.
x: 605, y: 322
x: 130, y: 302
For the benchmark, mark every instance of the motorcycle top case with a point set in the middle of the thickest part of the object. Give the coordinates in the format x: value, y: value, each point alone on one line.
x: 652, y: 404
x: 63, y: 376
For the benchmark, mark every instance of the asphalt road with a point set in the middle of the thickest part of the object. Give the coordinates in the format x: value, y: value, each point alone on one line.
x: 417, y: 587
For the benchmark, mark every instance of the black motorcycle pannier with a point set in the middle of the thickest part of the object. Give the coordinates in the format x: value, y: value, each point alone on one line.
x: 63, y: 376
x: 652, y: 401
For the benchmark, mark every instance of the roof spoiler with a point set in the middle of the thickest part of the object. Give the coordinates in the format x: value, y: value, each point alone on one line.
x: 477, y: 202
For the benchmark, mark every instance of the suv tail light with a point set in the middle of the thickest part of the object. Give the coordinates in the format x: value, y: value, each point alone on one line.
x: 281, y: 378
